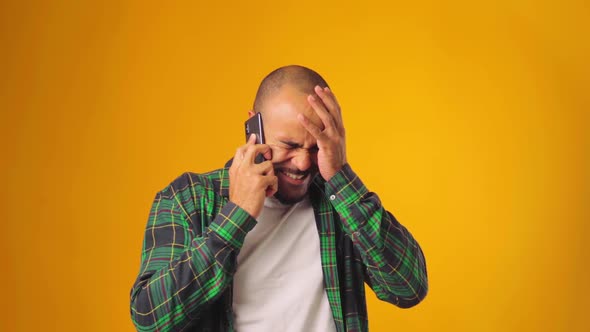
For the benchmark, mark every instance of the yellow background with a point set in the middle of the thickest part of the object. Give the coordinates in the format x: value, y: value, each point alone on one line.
x: 469, y: 119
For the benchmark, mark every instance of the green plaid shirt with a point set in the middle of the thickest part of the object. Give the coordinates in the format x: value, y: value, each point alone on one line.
x: 194, y: 234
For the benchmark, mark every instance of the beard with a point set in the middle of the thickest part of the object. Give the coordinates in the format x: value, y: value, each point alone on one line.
x: 288, y: 193
x: 288, y: 199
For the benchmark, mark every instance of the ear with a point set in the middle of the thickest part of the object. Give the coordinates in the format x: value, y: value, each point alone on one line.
x: 251, y: 113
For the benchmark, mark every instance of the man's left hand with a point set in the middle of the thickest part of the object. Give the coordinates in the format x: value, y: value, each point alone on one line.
x: 331, y: 142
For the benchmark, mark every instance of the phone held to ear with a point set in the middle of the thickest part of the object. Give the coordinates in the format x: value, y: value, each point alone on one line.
x: 254, y: 126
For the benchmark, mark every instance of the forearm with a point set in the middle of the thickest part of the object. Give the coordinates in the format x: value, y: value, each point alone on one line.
x: 181, y: 274
x: 396, y: 268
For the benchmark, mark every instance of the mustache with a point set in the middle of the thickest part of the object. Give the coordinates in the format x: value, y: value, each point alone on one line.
x: 293, y: 170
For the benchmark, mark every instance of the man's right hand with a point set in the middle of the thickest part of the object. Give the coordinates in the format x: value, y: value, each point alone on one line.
x: 250, y: 183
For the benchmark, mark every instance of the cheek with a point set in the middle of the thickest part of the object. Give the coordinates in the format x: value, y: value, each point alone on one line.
x: 279, y: 158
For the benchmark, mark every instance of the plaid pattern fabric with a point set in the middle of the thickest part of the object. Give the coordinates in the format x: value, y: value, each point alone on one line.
x: 193, y: 236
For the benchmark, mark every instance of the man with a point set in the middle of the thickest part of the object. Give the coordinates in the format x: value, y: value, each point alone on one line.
x: 283, y: 245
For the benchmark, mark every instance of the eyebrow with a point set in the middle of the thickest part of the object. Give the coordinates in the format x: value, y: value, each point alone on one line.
x: 293, y: 145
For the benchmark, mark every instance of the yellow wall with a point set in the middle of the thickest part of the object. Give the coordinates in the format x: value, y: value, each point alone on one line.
x: 469, y: 119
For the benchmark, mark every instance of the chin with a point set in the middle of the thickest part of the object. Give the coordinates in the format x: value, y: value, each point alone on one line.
x: 289, y: 199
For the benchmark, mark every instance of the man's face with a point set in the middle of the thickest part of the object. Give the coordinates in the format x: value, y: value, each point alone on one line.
x: 294, y: 149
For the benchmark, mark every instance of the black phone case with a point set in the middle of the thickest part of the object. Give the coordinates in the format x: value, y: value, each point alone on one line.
x: 254, y: 126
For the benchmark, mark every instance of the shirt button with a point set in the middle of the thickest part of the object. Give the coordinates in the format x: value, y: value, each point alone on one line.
x: 332, y: 197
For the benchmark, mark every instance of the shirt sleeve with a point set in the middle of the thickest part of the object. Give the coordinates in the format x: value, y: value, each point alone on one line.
x: 396, y: 269
x: 181, y: 272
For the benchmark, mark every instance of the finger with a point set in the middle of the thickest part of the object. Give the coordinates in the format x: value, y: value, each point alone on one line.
x: 314, y: 130
x: 242, y: 149
x: 331, y: 103
x: 273, y: 185
x: 265, y: 168
x: 239, y: 156
x: 325, y: 116
x: 268, y: 153
x: 251, y: 139
x: 328, y: 99
x: 254, y: 149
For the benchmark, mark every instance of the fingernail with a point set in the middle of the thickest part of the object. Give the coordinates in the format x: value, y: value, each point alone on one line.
x: 312, y: 97
x: 327, y: 89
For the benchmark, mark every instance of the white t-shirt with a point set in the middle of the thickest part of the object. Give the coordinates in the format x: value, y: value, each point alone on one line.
x: 278, y: 285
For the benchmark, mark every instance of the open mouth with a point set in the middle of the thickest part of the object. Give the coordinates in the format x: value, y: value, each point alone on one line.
x: 295, y: 178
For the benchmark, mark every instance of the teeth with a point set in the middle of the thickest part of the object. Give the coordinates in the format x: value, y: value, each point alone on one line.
x: 293, y: 176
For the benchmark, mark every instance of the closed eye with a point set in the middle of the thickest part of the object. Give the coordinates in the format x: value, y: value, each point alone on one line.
x: 293, y: 146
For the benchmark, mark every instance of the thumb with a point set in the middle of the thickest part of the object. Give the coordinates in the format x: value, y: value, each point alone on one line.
x: 252, y: 139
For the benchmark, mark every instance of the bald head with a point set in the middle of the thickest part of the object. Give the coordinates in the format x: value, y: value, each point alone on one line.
x: 301, y: 78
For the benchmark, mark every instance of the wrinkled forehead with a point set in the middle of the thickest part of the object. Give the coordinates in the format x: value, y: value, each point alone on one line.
x: 282, y: 108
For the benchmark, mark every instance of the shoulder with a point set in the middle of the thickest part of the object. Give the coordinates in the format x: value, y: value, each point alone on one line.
x: 189, y: 184
x: 192, y: 193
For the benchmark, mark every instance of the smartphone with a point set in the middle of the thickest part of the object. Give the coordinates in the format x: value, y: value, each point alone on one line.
x: 254, y: 126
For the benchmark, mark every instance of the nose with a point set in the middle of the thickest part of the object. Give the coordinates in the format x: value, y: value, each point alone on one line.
x: 302, y: 160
